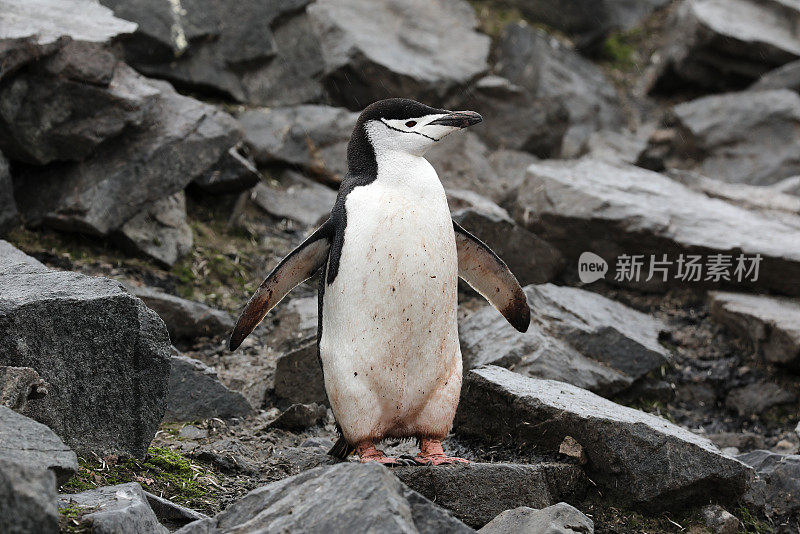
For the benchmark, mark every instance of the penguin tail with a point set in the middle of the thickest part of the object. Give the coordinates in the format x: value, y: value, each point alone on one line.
x: 341, y: 449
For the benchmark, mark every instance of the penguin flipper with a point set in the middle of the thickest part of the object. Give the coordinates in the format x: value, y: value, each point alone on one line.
x: 487, y: 274
x: 298, y: 266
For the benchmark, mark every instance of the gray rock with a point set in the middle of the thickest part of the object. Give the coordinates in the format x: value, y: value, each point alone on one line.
x: 486, y: 338
x: 790, y: 186
x: 8, y: 206
x: 547, y: 68
x: 614, y: 209
x: 756, y: 398
x: 14, y: 261
x: 18, y: 384
x: 205, y: 45
x: 159, y: 232
x: 24, y: 441
x: 323, y: 500
x: 753, y: 197
x: 31, y: 29
x: 184, y: 138
x: 311, y: 137
x: 770, y: 324
x: 114, y: 510
x: 170, y: 514
x: 636, y: 458
x: 185, y: 319
x: 532, y: 260
x: 300, y: 416
x: 510, y: 166
x: 195, y: 392
x: 65, y: 106
x: 559, y: 518
x: 228, y: 455
x: 589, y: 20
x: 462, y: 163
x: 397, y: 48
x: 27, y: 498
x: 719, y: 520
x: 725, y: 44
x: 233, y: 173
x: 778, y: 487
x: 623, y: 146
x: 745, y: 441
x: 298, y: 376
x: 785, y: 77
x: 494, y: 487
x: 516, y: 119
x: 297, y: 198
x: 747, y: 137
x: 103, y: 352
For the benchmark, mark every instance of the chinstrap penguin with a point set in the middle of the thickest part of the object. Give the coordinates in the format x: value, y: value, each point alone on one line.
x: 391, y: 257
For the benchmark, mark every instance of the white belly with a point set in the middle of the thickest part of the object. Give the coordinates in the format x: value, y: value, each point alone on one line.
x: 389, y: 342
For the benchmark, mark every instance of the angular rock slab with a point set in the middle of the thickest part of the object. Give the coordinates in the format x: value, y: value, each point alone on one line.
x: 347, y: 497
x: 115, y: 509
x: 298, y: 199
x: 398, y: 47
x: 195, y: 392
x: 32, y: 444
x: 785, y: 77
x: 613, y: 209
x: 478, y: 492
x: 557, y: 518
x: 637, y: 458
x: 30, y: 493
x: 104, y: 354
x: 771, y: 324
x: 778, y: 487
x: 185, y: 319
x: 748, y: 137
x: 721, y: 45
x: 233, y: 173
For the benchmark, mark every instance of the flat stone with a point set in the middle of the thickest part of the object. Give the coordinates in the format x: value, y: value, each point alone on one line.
x: 24, y: 441
x: 297, y: 198
x: 233, y: 173
x: 753, y: 197
x: 559, y: 518
x: 104, y: 354
x: 322, y: 499
x: 195, y: 392
x: 114, y: 509
x: 613, y: 209
x: 170, y: 514
x: 30, y: 493
x: 185, y: 319
x: 300, y: 416
x: 635, y: 458
x: 494, y: 487
x: 770, y: 324
x: 719, y: 520
x: 159, y: 232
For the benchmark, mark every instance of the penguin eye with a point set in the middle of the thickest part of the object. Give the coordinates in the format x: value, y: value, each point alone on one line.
x: 411, y: 123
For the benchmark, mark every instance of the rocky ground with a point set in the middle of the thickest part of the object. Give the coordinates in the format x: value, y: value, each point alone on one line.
x: 157, y: 159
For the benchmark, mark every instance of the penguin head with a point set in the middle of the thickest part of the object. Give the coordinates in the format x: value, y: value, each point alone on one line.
x: 400, y: 124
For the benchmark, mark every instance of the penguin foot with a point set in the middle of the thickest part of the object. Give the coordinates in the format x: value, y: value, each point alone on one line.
x: 367, y: 452
x: 432, y: 453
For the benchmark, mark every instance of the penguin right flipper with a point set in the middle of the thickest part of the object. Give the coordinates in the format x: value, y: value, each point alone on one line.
x: 298, y: 266
x: 487, y: 274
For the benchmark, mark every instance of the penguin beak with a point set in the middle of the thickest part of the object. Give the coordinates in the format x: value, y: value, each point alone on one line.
x: 458, y: 119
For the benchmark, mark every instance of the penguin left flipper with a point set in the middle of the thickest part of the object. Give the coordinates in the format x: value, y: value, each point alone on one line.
x: 297, y: 267
x: 487, y: 274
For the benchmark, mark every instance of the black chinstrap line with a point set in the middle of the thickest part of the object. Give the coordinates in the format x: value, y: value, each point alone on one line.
x: 403, y: 131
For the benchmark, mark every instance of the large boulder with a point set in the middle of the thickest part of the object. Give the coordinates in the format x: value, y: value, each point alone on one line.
x: 398, y: 47
x: 554, y: 519
x: 778, y: 486
x: 494, y: 488
x: 719, y: 45
x: 104, y: 354
x: 225, y: 49
x: 195, y: 393
x: 159, y: 232
x: 615, y: 209
x: 8, y: 206
x: 27, y: 498
x: 113, y: 510
x: 312, y: 138
x: 347, y: 497
x: 33, y: 445
x: 547, y: 68
x: 748, y: 137
x: 770, y: 324
x: 180, y: 139
x: 637, y: 458
x: 185, y: 319
x: 577, y: 336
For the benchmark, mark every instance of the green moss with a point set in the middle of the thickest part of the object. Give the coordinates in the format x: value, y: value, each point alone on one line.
x: 751, y: 523
x: 619, y: 49
x: 492, y: 18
